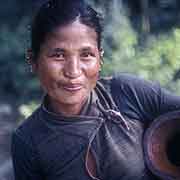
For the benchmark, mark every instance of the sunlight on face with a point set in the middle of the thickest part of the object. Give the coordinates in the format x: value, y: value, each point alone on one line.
x: 68, y: 64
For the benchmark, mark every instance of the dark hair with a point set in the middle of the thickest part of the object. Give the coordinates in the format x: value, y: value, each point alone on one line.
x: 54, y: 13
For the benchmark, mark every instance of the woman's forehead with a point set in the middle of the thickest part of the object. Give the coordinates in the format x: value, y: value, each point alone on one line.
x: 75, y: 33
x: 74, y: 28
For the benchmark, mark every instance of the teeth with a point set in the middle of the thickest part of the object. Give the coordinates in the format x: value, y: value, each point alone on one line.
x: 72, y: 88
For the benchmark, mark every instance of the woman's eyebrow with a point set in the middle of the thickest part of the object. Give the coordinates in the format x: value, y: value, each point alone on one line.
x: 88, y: 48
x: 56, y: 50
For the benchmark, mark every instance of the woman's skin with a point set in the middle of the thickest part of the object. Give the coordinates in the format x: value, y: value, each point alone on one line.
x: 68, y: 66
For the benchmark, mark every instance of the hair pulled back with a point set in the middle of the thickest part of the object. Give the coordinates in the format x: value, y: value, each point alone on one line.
x: 55, y: 13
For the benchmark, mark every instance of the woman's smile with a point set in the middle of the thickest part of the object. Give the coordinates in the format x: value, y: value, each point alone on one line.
x: 72, y: 87
x: 68, y: 66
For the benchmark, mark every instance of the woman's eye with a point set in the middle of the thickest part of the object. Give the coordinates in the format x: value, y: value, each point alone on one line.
x: 87, y: 55
x: 58, y: 56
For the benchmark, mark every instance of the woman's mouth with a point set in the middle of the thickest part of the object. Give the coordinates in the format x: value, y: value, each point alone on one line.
x: 72, y: 87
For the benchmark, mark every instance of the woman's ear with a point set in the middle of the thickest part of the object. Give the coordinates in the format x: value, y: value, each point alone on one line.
x: 101, y: 55
x: 101, y: 52
x: 30, y: 61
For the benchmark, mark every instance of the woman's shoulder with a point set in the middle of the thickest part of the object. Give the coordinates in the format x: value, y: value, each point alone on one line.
x: 135, y: 96
x: 128, y: 81
x: 28, y: 126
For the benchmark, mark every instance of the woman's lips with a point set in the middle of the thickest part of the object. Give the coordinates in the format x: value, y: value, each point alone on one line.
x: 72, y: 87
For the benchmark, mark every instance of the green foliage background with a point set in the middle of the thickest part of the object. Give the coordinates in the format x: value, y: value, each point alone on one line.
x: 156, y: 57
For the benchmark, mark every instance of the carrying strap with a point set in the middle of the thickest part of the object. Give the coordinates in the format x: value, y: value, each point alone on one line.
x: 109, y: 112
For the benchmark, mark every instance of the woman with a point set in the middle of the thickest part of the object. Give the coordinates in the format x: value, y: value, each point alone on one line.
x: 85, y: 128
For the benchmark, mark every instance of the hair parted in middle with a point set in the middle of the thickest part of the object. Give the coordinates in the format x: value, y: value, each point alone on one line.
x: 56, y: 13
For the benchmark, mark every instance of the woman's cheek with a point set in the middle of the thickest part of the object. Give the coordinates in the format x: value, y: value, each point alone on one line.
x: 92, y: 69
x: 47, y: 76
x: 53, y: 71
x: 92, y: 75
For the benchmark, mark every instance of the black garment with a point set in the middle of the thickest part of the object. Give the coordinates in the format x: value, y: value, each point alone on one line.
x: 52, y: 147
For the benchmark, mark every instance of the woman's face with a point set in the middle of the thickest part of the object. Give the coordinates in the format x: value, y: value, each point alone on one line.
x: 68, y: 65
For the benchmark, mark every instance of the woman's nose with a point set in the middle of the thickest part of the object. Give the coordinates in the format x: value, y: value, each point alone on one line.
x: 72, y: 68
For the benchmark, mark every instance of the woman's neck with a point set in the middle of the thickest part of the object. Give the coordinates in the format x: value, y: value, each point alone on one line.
x: 66, y: 109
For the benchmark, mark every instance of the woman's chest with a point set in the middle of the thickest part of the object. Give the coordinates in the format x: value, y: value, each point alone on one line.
x: 119, y: 153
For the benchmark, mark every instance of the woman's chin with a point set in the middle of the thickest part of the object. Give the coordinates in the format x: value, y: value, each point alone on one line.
x: 74, y: 100
x: 69, y: 98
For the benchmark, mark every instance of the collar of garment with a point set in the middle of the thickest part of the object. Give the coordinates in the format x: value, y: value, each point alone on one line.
x: 88, y: 110
x: 99, y: 105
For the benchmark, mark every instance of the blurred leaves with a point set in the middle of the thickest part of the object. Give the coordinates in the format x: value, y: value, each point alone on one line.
x: 27, y: 109
x: 158, y: 58
x: 15, y: 75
